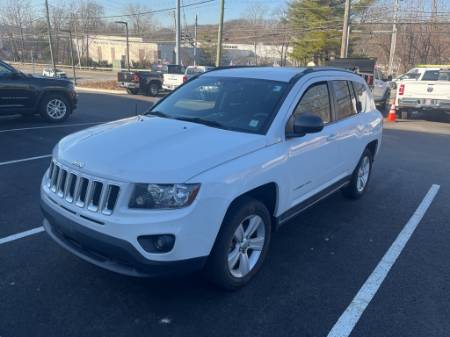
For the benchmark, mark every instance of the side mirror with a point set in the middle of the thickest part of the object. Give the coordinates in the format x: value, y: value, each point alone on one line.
x: 15, y: 75
x: 307, y: 123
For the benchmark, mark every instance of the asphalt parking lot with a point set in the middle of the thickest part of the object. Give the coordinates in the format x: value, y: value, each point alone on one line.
x: 319, y: 265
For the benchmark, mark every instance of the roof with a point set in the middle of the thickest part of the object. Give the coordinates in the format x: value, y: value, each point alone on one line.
x: 280, y: 74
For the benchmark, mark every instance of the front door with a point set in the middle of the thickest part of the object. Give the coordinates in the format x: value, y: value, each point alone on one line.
x: 16, y: 93
x: 314, y: 161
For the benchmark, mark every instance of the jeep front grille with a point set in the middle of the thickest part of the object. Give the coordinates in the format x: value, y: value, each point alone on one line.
x: 95, y: 195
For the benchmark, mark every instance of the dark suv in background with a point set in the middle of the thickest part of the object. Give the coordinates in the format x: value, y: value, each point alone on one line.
x: 53, y: 98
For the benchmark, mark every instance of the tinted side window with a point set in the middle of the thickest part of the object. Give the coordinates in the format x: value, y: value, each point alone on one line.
x: 363, y: 97
x: 431, y: 75
x: 344, y: 105
x: 4, y: 71
x: 316, y: 101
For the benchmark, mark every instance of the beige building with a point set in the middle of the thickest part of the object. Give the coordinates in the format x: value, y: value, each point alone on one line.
x: 113, y: 49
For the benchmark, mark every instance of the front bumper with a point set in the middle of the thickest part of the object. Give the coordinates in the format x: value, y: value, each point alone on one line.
x: 109, y: 252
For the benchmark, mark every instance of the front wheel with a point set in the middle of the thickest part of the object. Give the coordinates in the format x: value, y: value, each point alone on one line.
x: 241, y: 246
x: 360, y: 178
x: 55, y: 108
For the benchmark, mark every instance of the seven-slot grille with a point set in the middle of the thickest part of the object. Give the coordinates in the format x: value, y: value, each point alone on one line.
x: 89, y: 193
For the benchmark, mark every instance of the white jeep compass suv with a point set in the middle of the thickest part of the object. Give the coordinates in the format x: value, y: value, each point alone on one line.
x: 201, y: 180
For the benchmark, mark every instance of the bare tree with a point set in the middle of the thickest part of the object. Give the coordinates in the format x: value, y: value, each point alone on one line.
x: 254, y: 16
x: 142, y: 21
x: 16, y: 17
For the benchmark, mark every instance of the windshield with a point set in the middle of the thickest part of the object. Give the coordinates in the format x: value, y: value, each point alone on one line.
x: 241, y: 104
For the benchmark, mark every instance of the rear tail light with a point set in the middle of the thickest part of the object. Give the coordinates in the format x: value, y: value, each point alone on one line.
x: 135, y: 78
x: 401, y: 90
x: 185, y: 78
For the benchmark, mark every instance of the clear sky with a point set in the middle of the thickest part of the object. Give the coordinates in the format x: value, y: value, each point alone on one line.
x: 207, y: 12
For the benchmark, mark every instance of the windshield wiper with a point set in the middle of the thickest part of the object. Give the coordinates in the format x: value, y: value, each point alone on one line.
x: 157, y: 113
x: 202, y: 121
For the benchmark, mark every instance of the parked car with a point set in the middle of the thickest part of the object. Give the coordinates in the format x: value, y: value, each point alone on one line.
x: 146, y: 82
x: 173, y: 81
x: 368, y: 69
x: 205, y: 176
x: 425, y: 90
x: 50, y: 72
x: 54, y: 99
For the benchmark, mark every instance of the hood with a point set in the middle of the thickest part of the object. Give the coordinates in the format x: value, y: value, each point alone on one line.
x: 153, y: 149
x: 61, y: 82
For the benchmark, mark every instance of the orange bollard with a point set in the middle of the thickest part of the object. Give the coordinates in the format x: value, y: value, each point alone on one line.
x: 392, y: 116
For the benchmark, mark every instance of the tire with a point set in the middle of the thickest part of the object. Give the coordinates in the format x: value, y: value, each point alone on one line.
x: 233, y: 275
x: 360, y: 177
x: 153, y: 89
x: 404, y: 114
x: 55, y: 108
x: 132, y: 91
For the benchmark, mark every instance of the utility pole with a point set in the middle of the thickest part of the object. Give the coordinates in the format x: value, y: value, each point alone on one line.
x: 71, y: 55
x: 50, y: 37
x: 128, y: 42
x: 177, y: 34
x: 195, y: 40
x: 393, y: 39
x: 345, y: 30
x: 220, y: 34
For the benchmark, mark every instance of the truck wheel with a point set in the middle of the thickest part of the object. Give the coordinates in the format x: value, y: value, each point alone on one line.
x: 404, y: 114
x: 132, y: 91
x: 55, y: 108
x: 241, y: 245
x: 360, y: 178
x: 153, y: 89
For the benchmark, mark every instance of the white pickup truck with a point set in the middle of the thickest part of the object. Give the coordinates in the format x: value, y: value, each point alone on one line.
x: 423, y: 90
x: 173, y: 81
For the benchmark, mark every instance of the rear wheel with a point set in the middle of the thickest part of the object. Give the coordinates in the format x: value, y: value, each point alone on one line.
x: 360, y: 178
x: 55, y: 108
x: 405, y: 114
x: 241, y: 246
x: 132, y: 91
x: 153, y: 89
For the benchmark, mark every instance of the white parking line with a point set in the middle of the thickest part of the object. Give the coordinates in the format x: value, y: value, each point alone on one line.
x: 50, y: 126
x: 21, y: 235
x: 24, y: 159
x: 348, y: 320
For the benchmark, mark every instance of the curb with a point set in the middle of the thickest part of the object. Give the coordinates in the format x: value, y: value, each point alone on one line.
x: 103, y: 91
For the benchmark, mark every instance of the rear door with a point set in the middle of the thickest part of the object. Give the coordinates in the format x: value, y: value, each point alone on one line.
x: 350, y: 120
x: 379, y: 86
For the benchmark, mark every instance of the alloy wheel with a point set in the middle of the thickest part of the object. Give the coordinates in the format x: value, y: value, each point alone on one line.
x: 363, y: 174
x: 246, y: 246
x: 56, y: 108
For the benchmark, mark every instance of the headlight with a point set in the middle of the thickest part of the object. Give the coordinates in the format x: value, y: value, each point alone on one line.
x: 160, y: 196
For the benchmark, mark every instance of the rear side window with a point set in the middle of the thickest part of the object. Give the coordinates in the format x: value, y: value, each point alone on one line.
x: 315, y: 101
x: 362, y: 96
x: 344, y: 105
x: 444, y: 76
